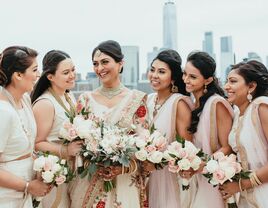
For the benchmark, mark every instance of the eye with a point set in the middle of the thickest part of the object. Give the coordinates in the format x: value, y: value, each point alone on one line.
x: 104, y: 62
x: 152, y: 70
x: 95, y: 64
x: 162, y: 71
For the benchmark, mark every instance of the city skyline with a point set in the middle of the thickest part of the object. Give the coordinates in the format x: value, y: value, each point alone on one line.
x: 78, y: 26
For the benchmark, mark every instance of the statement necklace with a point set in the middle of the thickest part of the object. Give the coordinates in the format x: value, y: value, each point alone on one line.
x: 157, y: 106
x: 11, y: 100
x: 111, y: 92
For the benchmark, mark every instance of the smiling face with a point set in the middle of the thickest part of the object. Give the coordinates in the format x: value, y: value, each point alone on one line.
x: 193, y: 79
x: 106, y: 68
x: 236, y: 88
x: 160, y: 76
x: 64, y: 77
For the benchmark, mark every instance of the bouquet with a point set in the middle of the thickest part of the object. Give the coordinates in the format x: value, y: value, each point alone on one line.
x: 183, y: 155
x: 107, y: 145
x: 222, y: 168
x: 52, y: 170
x: 151, y: 145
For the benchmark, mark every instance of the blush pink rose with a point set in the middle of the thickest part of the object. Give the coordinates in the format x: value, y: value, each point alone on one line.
x: 60, y: 179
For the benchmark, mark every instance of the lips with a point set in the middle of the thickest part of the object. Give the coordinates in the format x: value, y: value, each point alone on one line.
x: 103, y: 74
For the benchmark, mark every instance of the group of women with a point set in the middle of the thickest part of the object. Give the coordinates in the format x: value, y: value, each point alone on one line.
x: 187, y: 102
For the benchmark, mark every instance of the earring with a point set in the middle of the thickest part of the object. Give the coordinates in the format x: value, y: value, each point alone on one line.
x: 205, y: 89
x: 249, y: 97
x: 174, y: 88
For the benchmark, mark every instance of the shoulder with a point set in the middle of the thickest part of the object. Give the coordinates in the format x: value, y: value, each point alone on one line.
x: 139, y: 93
x: 7, y: 112
x: 44, y: 105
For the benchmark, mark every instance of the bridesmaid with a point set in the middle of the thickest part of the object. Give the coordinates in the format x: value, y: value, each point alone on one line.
x: 51, y: 101
x: 247, y: 88
x: 168, y: 104
x: 211, y: 120
x: 18, y: 73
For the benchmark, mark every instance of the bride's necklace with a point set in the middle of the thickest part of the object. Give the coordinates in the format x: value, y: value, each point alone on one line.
x: 111, y: 92
x: 11, y: 100
x: 157, y: 106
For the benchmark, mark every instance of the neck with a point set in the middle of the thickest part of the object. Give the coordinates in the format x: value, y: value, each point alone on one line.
x: 197, y: 96
x: 243, y: 107
x: 113, y: 84
x: 163, y: 95
x: 58, y: 91
x: 16, y: 94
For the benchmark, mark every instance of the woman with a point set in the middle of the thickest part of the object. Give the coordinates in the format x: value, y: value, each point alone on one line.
x: 247, y: 89
x: 211, y: 120
x: 115, y: 104
x: 18, y: 73
x: 170, y: 105
x: 51, y: 102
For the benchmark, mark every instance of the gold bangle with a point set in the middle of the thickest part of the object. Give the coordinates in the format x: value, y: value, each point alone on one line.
x: 257, y: 180
x: 240, y: 185
x: 26, y: 188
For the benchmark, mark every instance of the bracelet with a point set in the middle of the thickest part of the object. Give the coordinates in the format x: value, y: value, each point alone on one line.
x: 240, y: 185
x: 254, y: 180
x: 26, y: 188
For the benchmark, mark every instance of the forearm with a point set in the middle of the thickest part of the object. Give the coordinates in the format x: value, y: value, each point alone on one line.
x: 45, y: 146
x: 9, y: 180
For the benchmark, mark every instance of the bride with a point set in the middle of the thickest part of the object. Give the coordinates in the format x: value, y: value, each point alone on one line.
x: 115, y: 104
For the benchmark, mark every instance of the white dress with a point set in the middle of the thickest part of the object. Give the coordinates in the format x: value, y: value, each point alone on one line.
x: 248, y: 140
x: 164, y: 187
x: 86, y: 193
x: 58, y: 196
x: 14, y: 143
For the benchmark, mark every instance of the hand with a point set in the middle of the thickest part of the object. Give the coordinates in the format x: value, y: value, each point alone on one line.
x: 108, y: 173
x: 147, y: 166
x: 74, y: 148
x: 187, y: 173
x: 228, y: 189
x: 39, y: 188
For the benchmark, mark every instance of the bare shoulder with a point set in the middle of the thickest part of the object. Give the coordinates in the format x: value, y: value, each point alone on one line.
x: 44, y: 106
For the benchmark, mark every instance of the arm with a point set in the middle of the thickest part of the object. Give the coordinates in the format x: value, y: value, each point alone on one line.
x: 183, y: 120
x: 224, y: 126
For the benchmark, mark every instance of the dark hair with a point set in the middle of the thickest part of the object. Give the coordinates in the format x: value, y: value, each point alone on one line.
x: 173, y: 60
x: 49, y: 66
x: 15, y: 59
x: 110, y: 48
x: 207, y: 67
x: 254, y: 71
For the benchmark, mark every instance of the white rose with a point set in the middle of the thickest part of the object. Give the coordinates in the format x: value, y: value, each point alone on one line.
x: 63, y: 133
x: 155, y: 157
x: 39, y: 163
x: 141, y: 155
x: 63, y: 162
x: 195, y: 164
x: 47, y: 176
x: 184, y: 164
x: 229, y: 172
x: 56, y: 168
x: 65, y: 171
x: 213, y: 182
x: 140, y: 143
x: 212, y: 166
x: 53, y: 158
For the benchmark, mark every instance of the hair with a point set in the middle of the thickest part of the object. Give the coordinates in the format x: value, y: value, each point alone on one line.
x: 173, y: 60
x: 110, y: 48
x: 207, y: 67
x: 15, y: 59
x: 49, y: 66
x: 254, y: 71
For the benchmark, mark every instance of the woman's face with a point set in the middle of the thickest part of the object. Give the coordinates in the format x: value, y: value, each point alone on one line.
x: 236, y: 88
x: 160, y: 76
x: 29, y: 77
x: 193, y: 79
x: 106, y: 68
x: 64, y: 77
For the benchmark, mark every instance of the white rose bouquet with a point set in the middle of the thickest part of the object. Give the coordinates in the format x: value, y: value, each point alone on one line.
x: 221, y: 168
x: 107, y: 145
x: 52, y: 170
x: 151, y: 145
x: 183, y: 155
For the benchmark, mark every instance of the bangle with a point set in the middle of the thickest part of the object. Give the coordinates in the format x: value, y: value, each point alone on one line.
x: 240, y: 185
x: 26, y: 188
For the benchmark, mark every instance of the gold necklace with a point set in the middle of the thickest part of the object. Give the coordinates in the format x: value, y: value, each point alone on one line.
x: 111, y: 92
x: 157, y: 107
x: 71, y: 111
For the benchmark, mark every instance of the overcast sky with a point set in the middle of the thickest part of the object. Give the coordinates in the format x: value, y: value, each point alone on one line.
x: 77, y: 26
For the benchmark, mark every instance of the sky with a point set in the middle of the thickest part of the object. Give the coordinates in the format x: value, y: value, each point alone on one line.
x: 77, y: 26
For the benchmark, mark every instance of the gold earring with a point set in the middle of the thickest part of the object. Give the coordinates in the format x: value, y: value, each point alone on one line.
x: 205, y: 89
x: 249, y: 97
x: 174, y: 88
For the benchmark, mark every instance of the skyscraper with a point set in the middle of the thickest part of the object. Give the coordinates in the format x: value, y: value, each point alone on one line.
x: 208, y: 44
x: 130, y: 75
x: 227, y: 56
x: 170, y: 25
x: 254, y: 56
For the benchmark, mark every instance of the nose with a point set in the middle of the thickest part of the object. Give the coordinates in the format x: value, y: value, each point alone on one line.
x: 98, y: 68
x: 226, y: 86
x: 72, y: 74
x: 185, y: 79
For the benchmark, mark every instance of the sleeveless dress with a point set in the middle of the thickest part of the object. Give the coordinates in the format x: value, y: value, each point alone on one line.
x: 248, y: 141
x: 164, y: 187
x: 86, y: 193
x: 206, y: 138
x: 58, y: 197
x: 14, y: 143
